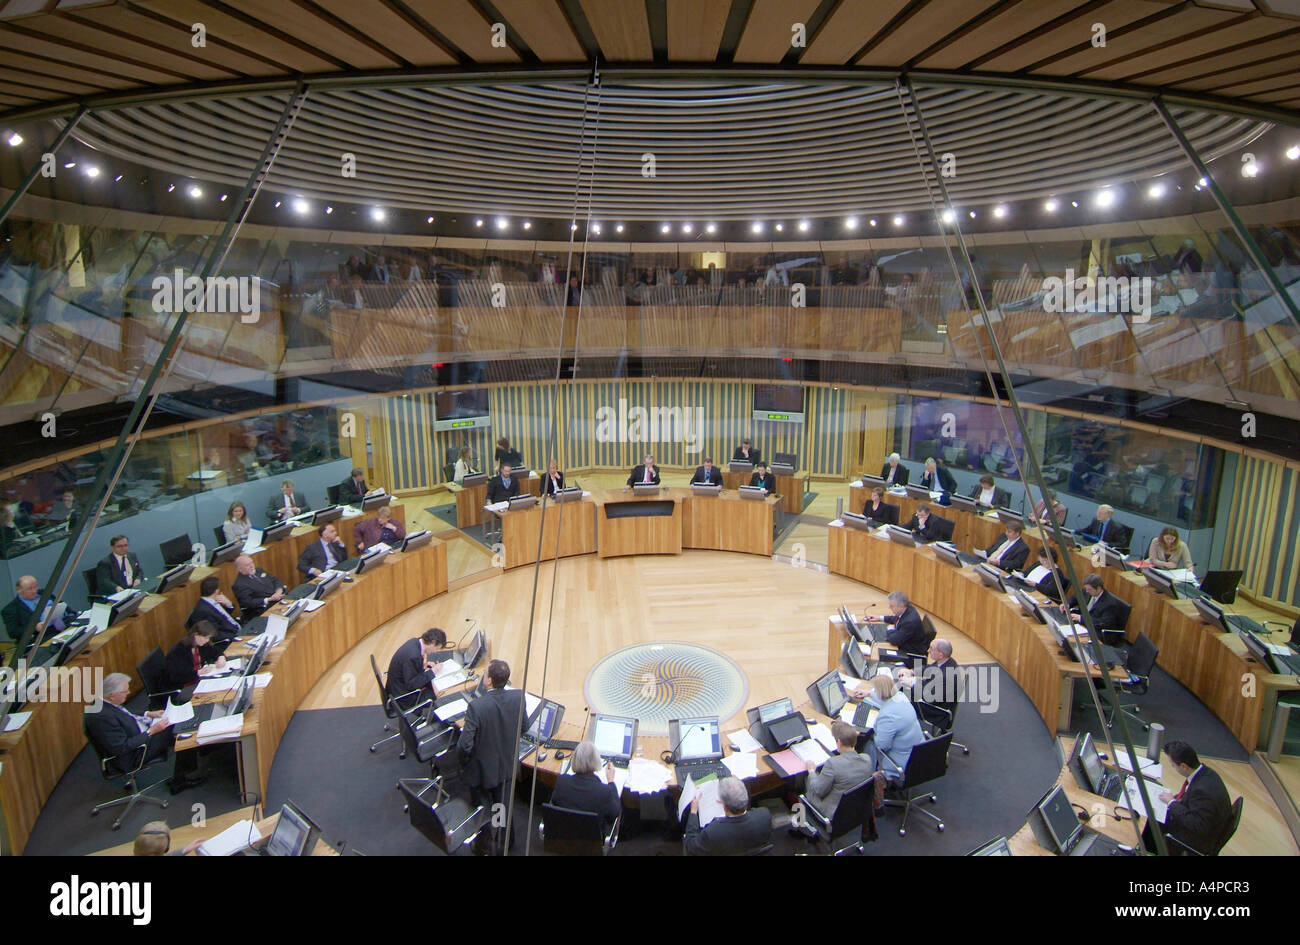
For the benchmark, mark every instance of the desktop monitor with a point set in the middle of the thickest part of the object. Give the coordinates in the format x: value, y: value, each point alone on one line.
x: 1113, y: 559
x: 697, y: 739
x: 73, y: 646
x: 1222, y: 585
x: 851, y: 625
x: 614, y: 736
x: 870, y: 482
x: 1006, y: 515
x: 371, y: 560
x: 788, y: 729
x: 293, y: 612
x: 1160, y: 583
x: 474, y: 653
x: 785, y: 459
x: 961, y: 502
x: 853, y: 659
x: 295, y: 833
x: 990, y: 577
x: 1028, y: 605
x: 568, y: 494
x: 752, y: 492
x: 126, y: 607
x: 774, y: 710
x: 854, y: 520
x: 704, y: 488
x: 258, y: 656
x: 900, y: 535
x: 174, y: 578
x: 328, y: 586
x: 1093, y: 770
x: 1211, y: 614
x: 277, y: 531
x: 918, y: 492
x: 781, y: 469
x: 417, y: 540
x: 1059, y: 818
x: 1258, y: 650
x: 373, y: 502
x: 227, y: 552
x: 645, y: 488
x: 739, y: 466
x: 176, y: 551
x: 947, y: 554
x: 545, y: 720
x: 327, y: 515
x: 474, y: 479
x: 998, y: 846
x: 830, y: 687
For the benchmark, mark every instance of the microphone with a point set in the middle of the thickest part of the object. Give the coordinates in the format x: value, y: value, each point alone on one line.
x: 470, y: 620
x: 670, y: 757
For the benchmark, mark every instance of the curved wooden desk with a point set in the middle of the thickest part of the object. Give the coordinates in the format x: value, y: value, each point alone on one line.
x: 620, y: 530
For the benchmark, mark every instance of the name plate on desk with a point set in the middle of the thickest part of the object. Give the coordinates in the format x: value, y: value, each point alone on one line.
x: 474, y: 479
x: 782, y: 469
x: 639, y: 509
x: 570, y: 494
x: 520, y: 502
x: 704, y: 488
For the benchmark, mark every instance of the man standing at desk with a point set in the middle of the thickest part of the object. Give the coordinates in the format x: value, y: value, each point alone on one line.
x: 353, y: 489
x: 120, y: 571
x: 255, y: 589
x: 1200, y: 813
x: 645, y: 474
x: 502, y: 487
x: 745, y: 454
x: 381, y: 528
x: 763, y: 478
x: 287, y: 504
x: 894, y: 472
x: 708, y: 474
x: 19, y: 610
x: 410, y: 671
x: 487, y: 744
x: 323, y: 554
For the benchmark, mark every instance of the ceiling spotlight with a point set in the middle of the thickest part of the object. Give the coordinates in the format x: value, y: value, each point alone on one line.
x: 377, y: 214
x: 595, y: 228
x: 1075, y: 204
x: 872, y: 221
x: 277, y: 204
x: 223, y: 200
x: 429, y: 220
x: 327, y: 209
x: 1000, y: 211
x: 71, y: 164
x: 1051, y: 205
x: 196, y: 192
x: 119, y: 177
x: 898, y: 220
x: 947, y: 216
x: 528, y: 224
x: 1105, y: 198
x: 92, y: 171
x: 573, y: 227
x: 1292, y: 153
x: 300, y: 205
x: 502, y: 223
x: 16, y: 139
x: 850, y: 223
x: 972, y: 214
x: 687, y: 228
x: 780, y: 227
x: 1203, y: 182
x: 619, y: 228
x: 170, y: 188
x: 1156, y: 191
x: 665, y: 227
x: 1250, y: 169
x: 756, y: 227
x: 478, y: 222
x: 803, y: 226
x: 711, y: 228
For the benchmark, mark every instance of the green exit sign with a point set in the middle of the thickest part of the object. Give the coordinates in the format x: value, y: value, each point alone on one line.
x: 778, y: 416
x: 457, y: 424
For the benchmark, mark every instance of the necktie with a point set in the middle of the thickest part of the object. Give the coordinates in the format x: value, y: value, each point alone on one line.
x: 1093, y: 601
x: 329, y: 555
x: 1102, y: 533
x: 647, y: 474
x: 125, y: 566
x: 1182, y: 791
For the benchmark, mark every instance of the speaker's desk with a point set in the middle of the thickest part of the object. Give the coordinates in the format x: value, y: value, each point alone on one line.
x: 630, y: 524
x: 728, y: 522
x: 186, y: 834
x: 470, y: 501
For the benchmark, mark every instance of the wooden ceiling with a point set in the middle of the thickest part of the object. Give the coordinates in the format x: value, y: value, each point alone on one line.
x: 1234, y: 52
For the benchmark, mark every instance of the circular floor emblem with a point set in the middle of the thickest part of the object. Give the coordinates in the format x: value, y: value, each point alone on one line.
x: 655, y: 682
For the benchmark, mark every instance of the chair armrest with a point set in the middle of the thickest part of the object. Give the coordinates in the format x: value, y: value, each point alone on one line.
x: 811, y: 808
x: 138, y: 764
x: 611, y: 839
x: 1184, y: 845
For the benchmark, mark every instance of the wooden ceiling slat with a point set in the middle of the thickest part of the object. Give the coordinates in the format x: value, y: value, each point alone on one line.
x: 1068, y: 35
x: 1279, y: 95
x: 23, y: 92
x: 180, y: 36
x: 239, y: 33
x: 59, y: 27
x: 383, y: 24
x: 463, y: 24
x: 695, y: 29
x: 46, y: 83
x: 1200, y: 49
x: 769, y: 29
x: 850, y: 27
x: 931, y: 23
x: 1222, y: 63
x: 43, y: 67
x: 544, y: 27
x: 1163, y: 35
x: 1003, y: 28
x: 319, y: 30
x: 1278, y: 72
x: 621, y: 28
x: 140, y: 75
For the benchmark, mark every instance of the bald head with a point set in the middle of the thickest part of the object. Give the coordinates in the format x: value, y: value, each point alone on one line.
x: 244, y: 565
x: 27, y: 587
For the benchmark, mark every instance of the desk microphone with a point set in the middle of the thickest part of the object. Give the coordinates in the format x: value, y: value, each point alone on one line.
x: 670, y: 757
x: 473, y: 621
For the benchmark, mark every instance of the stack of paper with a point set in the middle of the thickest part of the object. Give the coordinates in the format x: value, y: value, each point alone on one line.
x: 1135, y: 799
x: 447, y: 675
x: 743, y: 741
x: 236, y: 837
x: 707, y: 794
x: 16, y: 720
x: 647, y: 777
x: 312, y: 604
x: 176, y: 714
x: 226, y: 683
x: 220, y: 730
x: 823, y: 735
x: 742, y: 765
x: 1150, y: 769
x: 809, y: 750
x: 452, y: 710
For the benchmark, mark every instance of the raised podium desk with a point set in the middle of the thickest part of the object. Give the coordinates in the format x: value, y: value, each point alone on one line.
x: 728, y: 522
x: 470, y: 501
x: 565, y: 528
x: 630, y: 524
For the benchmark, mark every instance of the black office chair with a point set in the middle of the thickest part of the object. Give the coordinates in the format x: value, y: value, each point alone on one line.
x: 853, y: 823
x: 931, y: 632
x: 332, y: 493
x: 221, y: 535
x: 126, y: 766
x: 421, y: 737
x: 568, y: 832
x: 451, y: 826
x: 937, y: 719
x: 1116, y: 636
x: 151, y: 674
x: 943, y: 528
x: 1139, y: 663
x: 391, y: 705
x: 1231, y: 828
x: 176, y: 550
x: 927, y: 762
x: 92, y: 586
x: 448, y: 472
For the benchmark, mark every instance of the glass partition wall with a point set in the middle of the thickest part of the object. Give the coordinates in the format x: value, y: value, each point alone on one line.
x: 1102, y: 317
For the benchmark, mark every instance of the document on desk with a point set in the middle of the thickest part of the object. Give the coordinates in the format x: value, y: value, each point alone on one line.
x: 225, y: 729
x: 742, y: 764
x: 452, y: 710
x: 236, y: 837
x: 121, y: 595
x: 620, y: 778
x: 741, y: 740
x: 809, y: 750
x: 819, y: 731
x: 707, y: 793
x: 100, y: 615
x: 310, y: 605
x: 16, y: 720
x: 1151, y: 770
x: 1135, y: 799
x: 446, y: 679
x: 787, y: 763
x: 647, y: 777
x: 496, y: 506
x: 176, y: 714
x: 253, y: 541
x: 226, y: 683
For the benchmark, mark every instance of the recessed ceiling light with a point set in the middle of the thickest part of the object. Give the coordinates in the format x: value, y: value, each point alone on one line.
x: 1051, y: 205
x: 327, y: 209
x: 277, y: 203
x: 803, y: 226
x: 119, y: 177
x: 15, y: 139
x: 170, y: 188
x: 687, y: 228
x: 429, y: 220
x: 780, y: 227
x: 972, y: 214
x: 1075, y: 204
x: 595, y: 228
x: 223, y: 198
x: 872, y: 221
x: 196, y: 192
x: 378, y: 215
x: 528, y: 224
x: 478, y: 222
x: 573, y: 227
x: 92, y: 171
x: 1156, y: 191
x: 502, y: 223
x: 70, y: 164
x: 850, y: 223
x: 1293, y: 152
x: 665, y: 228
x: 756, y: 227
x: 711, y: 228
x: 619, y: 228
x: 1203, y: 182
x: 1000, y: 211
x: 300, y: 205
x: 1250, y: 169
x: 1105, y: 198
x: 947, y: 216
x: 898, y: 220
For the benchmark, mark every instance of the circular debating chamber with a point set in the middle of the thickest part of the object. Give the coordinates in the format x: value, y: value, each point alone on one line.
x: 690, y: 427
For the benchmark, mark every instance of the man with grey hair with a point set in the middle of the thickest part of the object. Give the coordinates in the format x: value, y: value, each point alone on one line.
x: 582, y: 790
x: 1104, y: 528
x: 117, y: 732
x: 937, y: 686
x: 894, y: 472
x: 907, y: 632
x: 743, y: 830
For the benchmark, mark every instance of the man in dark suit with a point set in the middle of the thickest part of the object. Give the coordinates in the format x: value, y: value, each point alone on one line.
x: 745, y: 453
x: 254, y: 589
x: 1009, y: 552
x: 708, y: 474
x: 582, y: 790
x: 18, y: 611
x: 647, y: 472
x: 1105, y: 528
x: 938, y: 685
x: 323, y: 554
x: 120, y: 570
x: 989, y: 494
x: 743, y: 830
x: 410, y: 671
x: 908, y: 633
x: 1106, y: 609
x: 1199, y: 815
x: 924, y: 525
x: 380, y: 529
x: 936, y: 478
x: 287, y: 504
x: 117, y: 732
x: 353, y: 489
x: 1041, y: 575
x: 502, y: 487
x: 894, y: 472
x: 215, y: 608
x: 487, y: 743
x: 762, y: 477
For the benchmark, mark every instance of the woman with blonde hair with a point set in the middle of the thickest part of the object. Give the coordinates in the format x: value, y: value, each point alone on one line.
x: 1168, y: 551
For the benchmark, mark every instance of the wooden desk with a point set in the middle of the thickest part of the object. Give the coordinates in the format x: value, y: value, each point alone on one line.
x: 728, y: 522
x: 186, y: 834
x: 791, y: 489
x: 1024, y: 843
x: 638, y: 534
x: 470, y: 502
x: 566, y: 528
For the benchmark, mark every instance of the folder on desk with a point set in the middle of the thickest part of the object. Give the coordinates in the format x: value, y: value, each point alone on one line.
x: 225, y: 729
